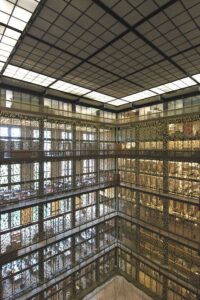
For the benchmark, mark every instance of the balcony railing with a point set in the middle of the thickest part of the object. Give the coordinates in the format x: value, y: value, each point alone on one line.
x: 16, y: 106
x: 160, y: 114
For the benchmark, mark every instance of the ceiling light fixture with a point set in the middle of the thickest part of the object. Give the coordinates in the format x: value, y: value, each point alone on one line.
x: 99, y: 97
x: 16, y: 15
x: 36, y: 78
x: 69, y: 88
x: 28, y: 76
x: 118, y: 102
x: 139, y: 96
x: 196, y: 77
x: 174, y: 85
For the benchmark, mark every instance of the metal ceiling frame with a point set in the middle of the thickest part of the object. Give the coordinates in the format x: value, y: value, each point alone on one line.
x: 87, y: 60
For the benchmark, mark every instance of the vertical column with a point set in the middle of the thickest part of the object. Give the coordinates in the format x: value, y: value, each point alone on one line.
x: 65, y: 287
x: 164, y: 127
x: 116, y: 198
x: 97, y: 250
x: 10, y: 149
x: 137, y: 160
x: 73, y: 258
x: 98, y: 279
x: 97, y: 150
x: 116, y: 229
x: 73, y: 286
x: 97, y: 204
x: 116, y: 172
x: 41, y: 176
x: 73, y: 261
x: 1, y: 283
x: 116, y: 260
x: 137, y: 263
x: 73, y: 211
x: 137, y: 182
x: 137, y: 172
x: 73, y: 203
x: 41, y: 193
x: 74, y: 156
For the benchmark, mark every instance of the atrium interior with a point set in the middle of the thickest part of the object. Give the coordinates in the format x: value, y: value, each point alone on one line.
x: 99, y: 149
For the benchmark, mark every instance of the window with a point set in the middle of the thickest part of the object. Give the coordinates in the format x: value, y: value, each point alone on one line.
x: 66, y: 135
x: 88, y: 136
x: 4, y: 174
x: 47, y: 140
x: 66, y: 168
x: 88, y: 166
x: 47, y: 169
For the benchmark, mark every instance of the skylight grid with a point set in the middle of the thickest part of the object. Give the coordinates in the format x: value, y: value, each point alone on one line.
x: 196, y: 77
x: 139, y: 96
x: 99, y: 97
x: 8, y: 39
x: 28, y: 76
x: 43, y: 80
x: 118, y: 102
x: 174, y: 85
x: 17, y: 14
x: 69, y: 88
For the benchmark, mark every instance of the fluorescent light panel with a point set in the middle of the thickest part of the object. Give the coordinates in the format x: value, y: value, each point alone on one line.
x: 174, y: 85
x: 8, y: 39
x: 36, y: 78
x: 16, y: 15
x: 99, y: 97
x: 139, y: 96
x: 28, y: 76
x: 69, y: 88
x: 118, y: 102
x: 197, y: 77
x: 161, y: 89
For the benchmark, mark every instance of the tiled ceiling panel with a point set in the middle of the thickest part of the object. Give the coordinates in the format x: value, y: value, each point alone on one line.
x: 78, y: 28
x: 116, y: 47
x: 40, y: 57
x: 126, y: 55
x: 189, y: 60
x: 158, y: 74
x: 120, y: 88
x: 132, y: 11
x: 174, y: 29
x: 82, y: 76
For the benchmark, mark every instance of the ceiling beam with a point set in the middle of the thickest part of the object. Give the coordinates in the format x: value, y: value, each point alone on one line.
x: 129, y: 29
x: 139, y: 35
x: 42, y: 3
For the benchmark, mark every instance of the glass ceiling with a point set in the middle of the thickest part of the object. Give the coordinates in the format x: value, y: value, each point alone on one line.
x: 15, y: 14
x: 101, y: 54
x: 36, y: 78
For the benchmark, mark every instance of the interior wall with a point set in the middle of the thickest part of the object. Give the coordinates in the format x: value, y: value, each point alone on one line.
x: 118, y: 288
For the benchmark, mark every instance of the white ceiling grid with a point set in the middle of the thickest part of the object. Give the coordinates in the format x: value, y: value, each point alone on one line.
x: 14, y: 16
x: 29, y: 76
